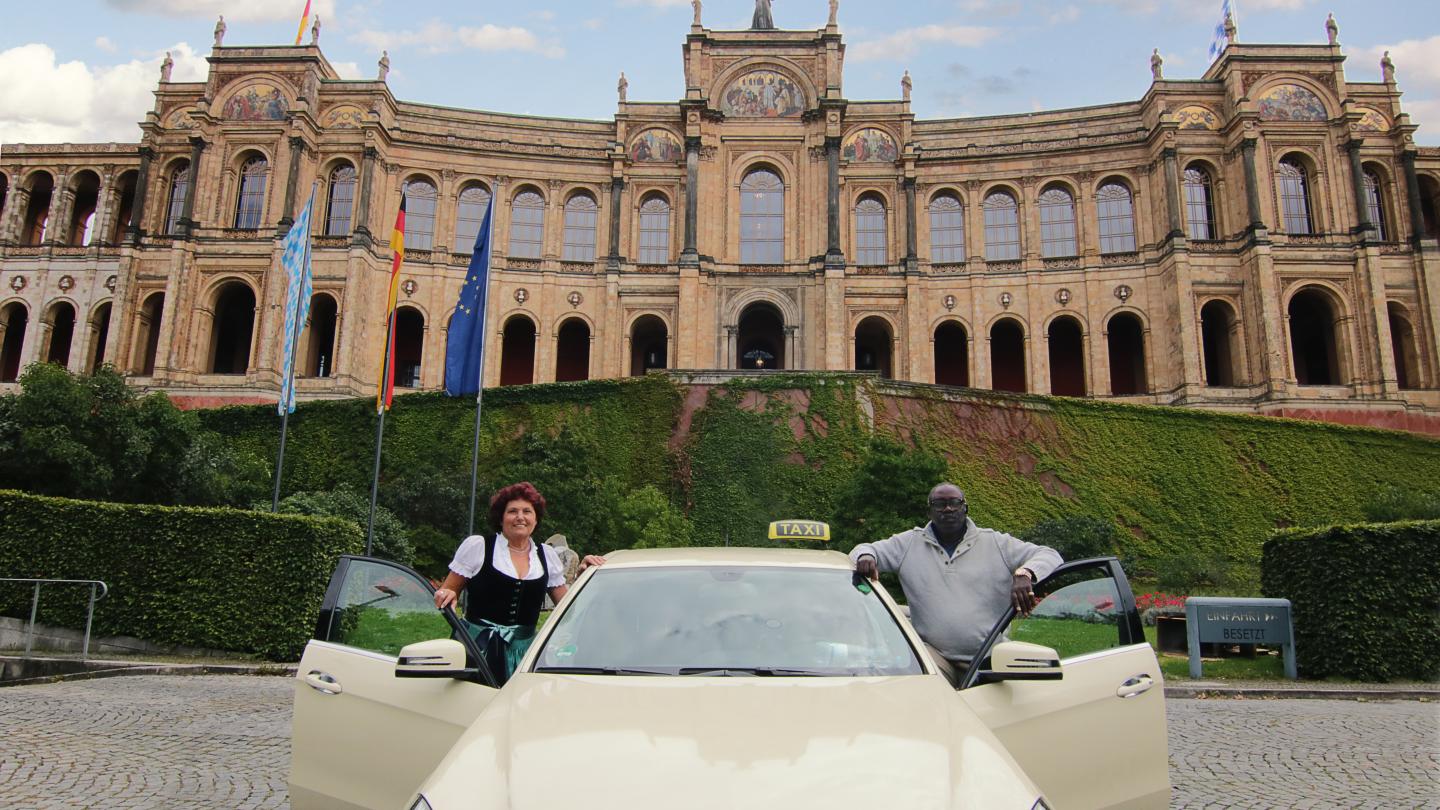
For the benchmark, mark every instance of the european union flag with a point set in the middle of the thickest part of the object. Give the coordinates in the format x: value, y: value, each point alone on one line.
x: 465, y: 348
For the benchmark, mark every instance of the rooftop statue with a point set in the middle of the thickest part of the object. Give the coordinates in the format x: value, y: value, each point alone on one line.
x: 762, y: 21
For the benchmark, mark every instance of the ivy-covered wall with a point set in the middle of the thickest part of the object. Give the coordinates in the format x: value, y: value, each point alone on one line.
x: 733, y: 453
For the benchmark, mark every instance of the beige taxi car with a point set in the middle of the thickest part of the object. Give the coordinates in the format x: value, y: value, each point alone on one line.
x: 709, y: 678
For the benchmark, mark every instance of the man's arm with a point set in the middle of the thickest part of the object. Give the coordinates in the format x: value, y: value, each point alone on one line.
x: 1037, y: 559
x: 885, y: 555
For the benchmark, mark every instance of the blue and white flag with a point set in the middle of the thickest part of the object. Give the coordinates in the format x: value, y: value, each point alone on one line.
x: 465, y: 347
x: 295, y: 261
x: 1220, y: 40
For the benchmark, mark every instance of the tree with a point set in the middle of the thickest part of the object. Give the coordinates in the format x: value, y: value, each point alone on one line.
x: 1076, y: 537
x: 888, y: 493
x: 348, y: 503
x: 645, y: 518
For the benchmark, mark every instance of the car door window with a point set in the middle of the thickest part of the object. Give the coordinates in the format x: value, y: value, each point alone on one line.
x: 382, y: 607
x: 1078, y: 613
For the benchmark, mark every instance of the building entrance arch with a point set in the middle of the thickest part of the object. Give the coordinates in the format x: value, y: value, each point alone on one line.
x: 234, y: 329
x: 760, y: 338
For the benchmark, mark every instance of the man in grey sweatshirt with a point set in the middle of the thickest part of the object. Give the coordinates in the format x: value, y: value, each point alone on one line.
x: 958, y: 577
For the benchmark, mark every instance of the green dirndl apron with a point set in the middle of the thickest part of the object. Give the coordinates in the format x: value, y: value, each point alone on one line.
x: 502, y: 645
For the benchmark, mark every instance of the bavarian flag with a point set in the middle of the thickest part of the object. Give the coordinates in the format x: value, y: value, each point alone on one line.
x: 386, y: 394
x: 465, y: 347
x: 295, y: 262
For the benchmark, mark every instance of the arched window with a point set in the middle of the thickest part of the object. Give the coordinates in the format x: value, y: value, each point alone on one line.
x: 762, y: 218
x: 469, y: 216
x: 1220, y: 343
x: 527, y: 225
x: 14, y: 318
x: 1002, y: 228
x: 1374, y: 206
x: 581, y: 212
x: 179, y: 191
x: 874, y: 344
x: 871, y: 240
x: 420, y: 199
x: 1057, y: 223
x: 952, y: 354
x: 1117, y: 219
x: 62, y: 333
x: 233, y: 329
x: 1314, y: 347
x: 1402, y: 343
x: 341, y: 208
x: 1067, y: 357
x: 409, y: 346
x: 655, y: 230
x: 517, y: 351
x: 36, y: 223
x: 251, y: 205
x: 1199, y: 204
x: 1008, y: 371
x: 947, y: 230
x: 1294, y: 197
x: 1127, y: 355
x: 649, y: 345
x: 572, y: 351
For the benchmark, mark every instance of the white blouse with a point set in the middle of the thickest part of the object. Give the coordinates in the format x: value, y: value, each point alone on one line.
x: 470, y: 558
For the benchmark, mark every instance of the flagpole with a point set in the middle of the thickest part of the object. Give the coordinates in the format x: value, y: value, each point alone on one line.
x: 480, y: 384
x: 379, y: 436
x: 287, y: 387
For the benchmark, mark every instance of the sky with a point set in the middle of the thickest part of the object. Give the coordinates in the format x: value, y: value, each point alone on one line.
x: 89, y: 67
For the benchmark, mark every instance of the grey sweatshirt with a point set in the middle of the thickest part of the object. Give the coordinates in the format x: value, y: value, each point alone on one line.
x: 956, y: 599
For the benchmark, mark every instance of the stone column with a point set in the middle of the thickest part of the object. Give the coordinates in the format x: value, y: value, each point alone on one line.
x: 287, y: 218
x: 15, y: 206
x: 1364, y: 228
x: 61, y: 201
x: 1412, y: 192
x: 833, y: 253
x: 104, y: 210
x: 1252, y: 185
x: 187, y: 223
x: 361, y: 219
x: 691, y: 254
x: 911, y: 253
x: 617, y: 190
x: 142, y: 186
x: 1172, y: 194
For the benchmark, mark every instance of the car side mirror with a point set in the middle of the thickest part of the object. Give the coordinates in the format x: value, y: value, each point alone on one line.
x: 1022, y: 661
x: 440, y: 658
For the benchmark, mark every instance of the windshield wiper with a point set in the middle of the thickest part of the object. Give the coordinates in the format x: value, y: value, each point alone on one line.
x: 727, y: 672
x: 602, y: 671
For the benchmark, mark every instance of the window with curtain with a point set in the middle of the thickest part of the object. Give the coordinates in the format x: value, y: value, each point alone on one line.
x: 469, y: 216
x: 1116, y: 219
x: 1057, y: 224
x: 1374, y: 205
x: 1294, y: 197
x: 1002, y: 228
x: 1199, y: 205
x: 947, y: 230
x: 420, y: 200
x: 251, y: 205
x: 871, y: 239
x: 179, y: 190
x: 762, y: 218
x: 341, y: 208
x: 527, y: 225
x: 655, y: 231
x: 581, y: 213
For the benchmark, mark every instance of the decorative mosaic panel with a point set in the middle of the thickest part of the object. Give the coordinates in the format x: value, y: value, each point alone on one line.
x: 344, y: 116
x: 258, y: 102
x: 1197, y: 117
x: 763, y: 94
x: 656, y: 146
x: 870, y: 146
x: 1291, y: 102
x: 1373, y: 121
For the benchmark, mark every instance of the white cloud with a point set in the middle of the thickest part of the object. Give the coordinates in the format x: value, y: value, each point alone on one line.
x: 437, y: 37
x: 248, y: 11
x: 1067, y: 14
x: 902, y: 44
x: 1417, y: 72
x: 74, y: 102
x: 348, y: 70
x: 104, y: 44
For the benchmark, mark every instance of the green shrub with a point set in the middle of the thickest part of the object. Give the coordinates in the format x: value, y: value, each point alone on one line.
x: 1391, y: 504
x: 224, y: 579
x: 349, y: 504
x: 887, y: 494
x: 1076, y: 537
x: 645, y: 518
x: 1366, y: 598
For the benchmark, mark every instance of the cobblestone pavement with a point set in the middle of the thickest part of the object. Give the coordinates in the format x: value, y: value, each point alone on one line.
x: 1304, y: 754
x: 146, y: 742
x: 224, y: 742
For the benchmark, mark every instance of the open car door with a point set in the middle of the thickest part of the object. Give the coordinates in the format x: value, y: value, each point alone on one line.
x: 364, y: 738
x: 1095, y: 737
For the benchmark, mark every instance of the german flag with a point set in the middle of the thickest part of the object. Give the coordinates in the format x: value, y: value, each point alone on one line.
x: 304, y: 18
x: 386, y: 394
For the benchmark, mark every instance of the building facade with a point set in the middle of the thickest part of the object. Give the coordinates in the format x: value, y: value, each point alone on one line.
x: 1261, y: 239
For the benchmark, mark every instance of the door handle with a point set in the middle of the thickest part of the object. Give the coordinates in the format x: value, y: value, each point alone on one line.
x: 1136, y: 686
x: 323, y: 682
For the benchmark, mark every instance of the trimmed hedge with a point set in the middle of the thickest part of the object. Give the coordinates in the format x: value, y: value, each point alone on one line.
x: 1366, y: 598
x: 225, y: 579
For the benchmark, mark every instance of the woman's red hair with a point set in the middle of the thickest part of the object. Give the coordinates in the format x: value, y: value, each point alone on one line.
x: 523, y: 491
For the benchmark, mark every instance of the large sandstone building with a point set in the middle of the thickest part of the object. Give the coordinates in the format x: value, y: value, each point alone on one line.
x: 1262, y: 239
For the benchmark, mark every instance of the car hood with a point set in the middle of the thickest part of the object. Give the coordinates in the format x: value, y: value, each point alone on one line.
x: 661, y: 742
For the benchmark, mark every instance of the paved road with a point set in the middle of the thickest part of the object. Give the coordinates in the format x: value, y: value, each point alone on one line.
x: 224, y: 742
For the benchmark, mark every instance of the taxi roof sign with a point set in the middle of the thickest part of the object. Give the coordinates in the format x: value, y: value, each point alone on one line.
x: 808, y: 530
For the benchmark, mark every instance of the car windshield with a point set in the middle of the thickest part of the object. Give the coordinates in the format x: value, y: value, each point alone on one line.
x: 727, y: 620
